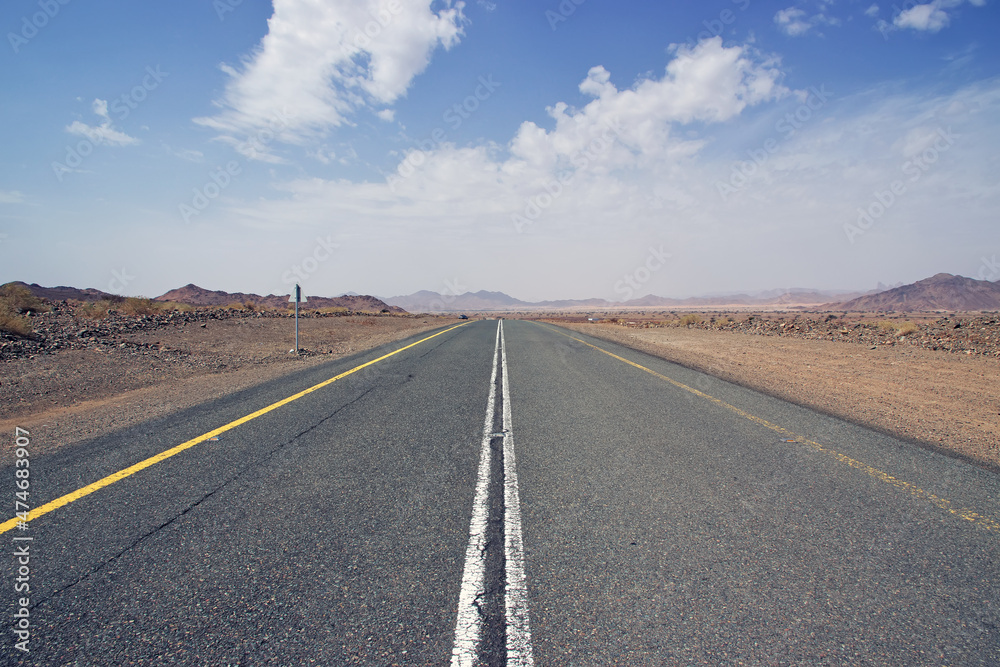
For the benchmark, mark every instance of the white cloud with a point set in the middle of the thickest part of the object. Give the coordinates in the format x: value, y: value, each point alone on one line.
x: 11, y: 197
x: 794, y: 21
x: 103, y: 134
x: 872, y: 11
x: 388, y: 115
x: 930, y: 17
x: 791, y: 21
x: 618, y: 131
x: 185, y: 154
x: 922, y: 17
x: 320, y: 61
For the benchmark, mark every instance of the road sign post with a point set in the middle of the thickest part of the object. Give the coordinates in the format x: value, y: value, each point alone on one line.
x: 297, y: 297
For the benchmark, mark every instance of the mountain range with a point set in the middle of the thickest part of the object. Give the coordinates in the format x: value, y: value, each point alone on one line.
x: 426, y: 301
x: 943, y: 291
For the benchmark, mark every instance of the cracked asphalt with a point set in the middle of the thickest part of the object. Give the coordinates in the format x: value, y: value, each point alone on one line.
x: 660, y: 527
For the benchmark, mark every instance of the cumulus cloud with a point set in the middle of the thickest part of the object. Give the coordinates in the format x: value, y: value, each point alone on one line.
x: 620, y: 130
x: 930, y: 17
x: 322, y: 60
x: 708, y: 83
x: 103, y: 133
x: 794, y: 21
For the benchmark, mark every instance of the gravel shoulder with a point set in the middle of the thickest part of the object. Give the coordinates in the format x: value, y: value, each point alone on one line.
x: 949, y: 402
x: 134, y: 374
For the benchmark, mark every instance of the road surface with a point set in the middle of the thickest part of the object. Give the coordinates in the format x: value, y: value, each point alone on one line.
x: 491, y: 494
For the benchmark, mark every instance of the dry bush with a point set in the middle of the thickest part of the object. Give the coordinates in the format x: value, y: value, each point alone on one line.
x: 332, y: 310
x: 176, y: 305
x: 13, y: 323
x: 137, y: 305
x: 96, y: 310
x: 689, y: 319
x: 19, y: 299
x: 899, y: 328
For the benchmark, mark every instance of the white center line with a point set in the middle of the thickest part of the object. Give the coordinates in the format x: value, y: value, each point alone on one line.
x: 469, y: 629
x: 516, y: 595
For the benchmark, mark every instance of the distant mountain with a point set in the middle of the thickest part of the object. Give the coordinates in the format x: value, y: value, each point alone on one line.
x: 63, y: 293
x: 199, y: 296
x: 426, y: 301
x: 940, y: 292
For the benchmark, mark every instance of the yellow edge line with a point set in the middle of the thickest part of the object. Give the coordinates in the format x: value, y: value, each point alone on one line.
x: 880, y: 475
x: 153, y: 460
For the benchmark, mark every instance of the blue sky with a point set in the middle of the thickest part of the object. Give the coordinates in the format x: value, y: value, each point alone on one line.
x: 545, y: 149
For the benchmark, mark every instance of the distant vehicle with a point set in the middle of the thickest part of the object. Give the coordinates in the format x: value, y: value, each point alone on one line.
x: 463, y: 317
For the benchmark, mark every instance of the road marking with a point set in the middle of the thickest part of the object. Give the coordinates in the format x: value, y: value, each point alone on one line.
x: 914, y: 490
x: 516, y: 591
x: 469, y: 626
x: 153, y: 460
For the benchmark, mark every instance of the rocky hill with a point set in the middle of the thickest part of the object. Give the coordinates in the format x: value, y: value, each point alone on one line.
x: 199, y: 296
x: 943, y: 291
x: 63, y: 293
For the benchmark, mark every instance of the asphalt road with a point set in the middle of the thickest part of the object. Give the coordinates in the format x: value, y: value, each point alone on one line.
x: 658, y: 516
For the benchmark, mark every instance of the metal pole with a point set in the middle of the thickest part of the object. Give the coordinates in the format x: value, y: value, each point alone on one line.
x: 296, y: 319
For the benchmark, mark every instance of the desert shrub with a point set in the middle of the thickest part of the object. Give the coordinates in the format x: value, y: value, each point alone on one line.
x: 96, y: 310
x: 137, y: 305
x: 899, y: 328
x: 689, y: 319
x: 722, y: 321
x: 176, y: 305
x: 12, y: 322
x: 19, y: 299
x: 332, y: 310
